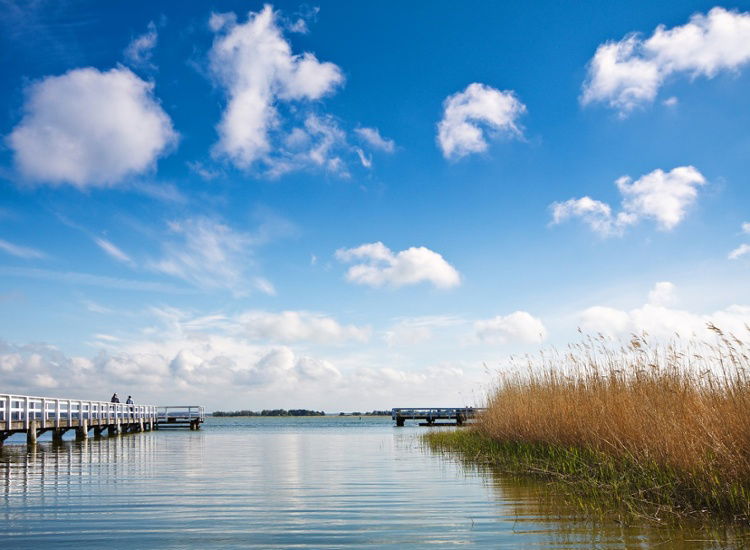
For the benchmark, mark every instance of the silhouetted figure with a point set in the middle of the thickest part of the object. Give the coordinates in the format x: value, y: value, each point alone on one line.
x: 115, y: 399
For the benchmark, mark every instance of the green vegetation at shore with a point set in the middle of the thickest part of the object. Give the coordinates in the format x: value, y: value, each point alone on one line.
x: 270, y: 412
x: 654, y: 430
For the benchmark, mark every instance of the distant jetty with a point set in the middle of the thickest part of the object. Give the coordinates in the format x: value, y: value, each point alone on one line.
x: 270, y: 412
x: 296, y: 412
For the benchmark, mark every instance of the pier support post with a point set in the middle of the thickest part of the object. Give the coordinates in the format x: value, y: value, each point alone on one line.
x: 113, y: 429
x: 98, y: 431
x: 140, y: 426
x: 57, y: 435
x: 400, y: 421
x: 459, y: 419
x: 82, y: 431
x: 31, y: 434
x: 4, y: 436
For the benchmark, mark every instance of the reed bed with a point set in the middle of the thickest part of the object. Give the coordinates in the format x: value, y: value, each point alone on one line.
x: 656, y: 428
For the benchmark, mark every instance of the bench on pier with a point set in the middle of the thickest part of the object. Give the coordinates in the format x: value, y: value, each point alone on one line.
x: 430, y: 415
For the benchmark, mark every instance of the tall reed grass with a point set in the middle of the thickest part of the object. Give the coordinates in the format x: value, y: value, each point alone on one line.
x: 660, y: 428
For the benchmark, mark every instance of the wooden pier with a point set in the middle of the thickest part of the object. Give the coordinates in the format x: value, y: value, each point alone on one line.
x: 36, y: 415
x: 459, y: 415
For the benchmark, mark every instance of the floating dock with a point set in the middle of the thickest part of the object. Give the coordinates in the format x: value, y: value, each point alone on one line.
x: 430, y: 415
x: 36, y: 415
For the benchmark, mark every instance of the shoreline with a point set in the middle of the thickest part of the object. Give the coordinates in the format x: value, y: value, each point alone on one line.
x: 658, y: 430
x: 597, y: 482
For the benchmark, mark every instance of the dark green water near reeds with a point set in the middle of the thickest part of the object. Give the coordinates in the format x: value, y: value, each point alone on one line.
x: 288, y: 483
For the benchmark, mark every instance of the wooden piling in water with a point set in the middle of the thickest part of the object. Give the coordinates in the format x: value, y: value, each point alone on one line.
x: 82, y: 431
x: 57, y: 435
x: 31, y: 433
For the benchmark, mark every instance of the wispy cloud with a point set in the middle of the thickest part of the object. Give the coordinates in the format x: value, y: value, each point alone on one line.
x: 73, y: 277
x: 372, y: 137
x: 21, y: 251
x: 209, y: 254
x: 740, y: 251
x: 140, y: 50
x: 291, y: 326
x: 112, y: 250
x: 744, y: 248
x: 95, y: 307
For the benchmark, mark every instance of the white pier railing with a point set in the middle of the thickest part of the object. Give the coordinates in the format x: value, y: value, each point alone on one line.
x: 17, y: 411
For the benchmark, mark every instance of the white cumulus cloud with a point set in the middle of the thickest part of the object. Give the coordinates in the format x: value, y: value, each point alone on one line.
x: 382, y: 267
x: 216, y: 360
x: 629, y: 73
x: 663, y: 294
x: 661, y: 196
x: 90, y: 128
x: 519, y: 326
x: 255, y: 65
x: 659, y: 320
x: 473, y: 115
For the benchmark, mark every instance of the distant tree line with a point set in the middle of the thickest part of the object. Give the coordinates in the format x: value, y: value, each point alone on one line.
x: 271, y: 412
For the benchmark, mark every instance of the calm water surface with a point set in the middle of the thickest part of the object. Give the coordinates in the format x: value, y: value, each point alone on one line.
x: 284, y: 483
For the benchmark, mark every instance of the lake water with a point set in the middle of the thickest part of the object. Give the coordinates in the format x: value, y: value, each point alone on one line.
x: 285, y: 483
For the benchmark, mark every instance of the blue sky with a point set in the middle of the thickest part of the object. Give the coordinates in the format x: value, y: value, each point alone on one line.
x: 350, y: 206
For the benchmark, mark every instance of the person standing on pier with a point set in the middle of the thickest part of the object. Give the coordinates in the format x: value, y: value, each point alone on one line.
x: 130, y: 402
x: 115, y: 399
